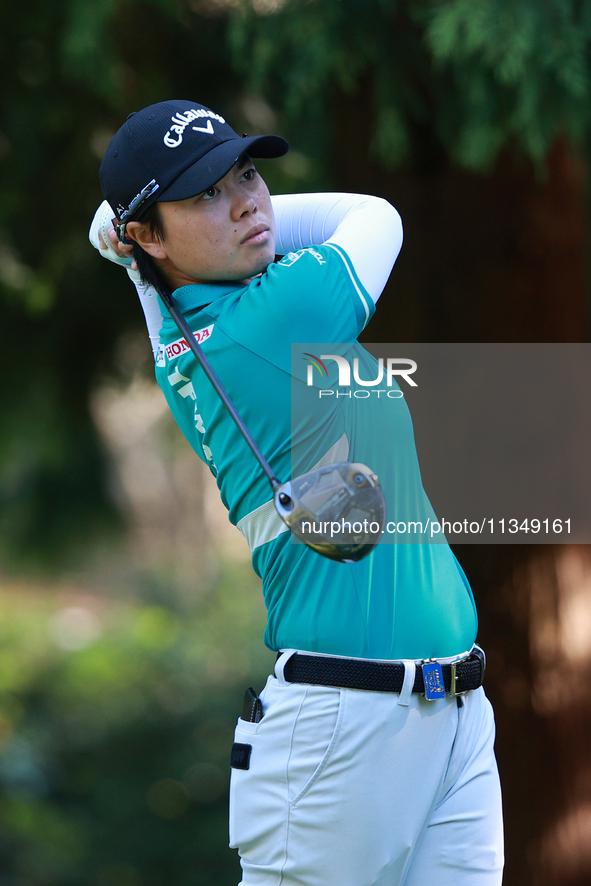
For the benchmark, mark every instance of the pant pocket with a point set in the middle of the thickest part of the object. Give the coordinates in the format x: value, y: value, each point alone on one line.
x: 289, y: 750
x: 258, y: 805
x: 314, y: 736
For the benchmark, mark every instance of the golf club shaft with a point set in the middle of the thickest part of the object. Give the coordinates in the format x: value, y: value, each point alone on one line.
x: 219, y: 389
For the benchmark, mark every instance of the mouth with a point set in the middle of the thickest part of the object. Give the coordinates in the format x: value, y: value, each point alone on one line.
x: 257, y: 235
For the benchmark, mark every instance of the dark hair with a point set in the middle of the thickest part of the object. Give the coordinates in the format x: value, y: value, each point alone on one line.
x: 149, y: 271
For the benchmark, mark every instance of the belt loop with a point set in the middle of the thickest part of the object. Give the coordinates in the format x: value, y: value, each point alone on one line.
x: 410, y: 669
x: 284, y: 657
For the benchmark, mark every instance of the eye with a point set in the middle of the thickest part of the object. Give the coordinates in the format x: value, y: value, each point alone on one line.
x: 249, y: 174
x: 209, y: 194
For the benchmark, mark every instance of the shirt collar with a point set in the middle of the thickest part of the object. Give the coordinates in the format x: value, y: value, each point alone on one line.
x: 196, y: 295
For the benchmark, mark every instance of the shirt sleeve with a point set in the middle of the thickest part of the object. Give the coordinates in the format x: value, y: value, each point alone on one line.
x: 367, y: 229
x: 312, y: 295
x: 326, y: 292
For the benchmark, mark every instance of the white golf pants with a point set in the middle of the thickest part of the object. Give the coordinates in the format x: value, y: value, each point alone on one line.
x: 356, y: 788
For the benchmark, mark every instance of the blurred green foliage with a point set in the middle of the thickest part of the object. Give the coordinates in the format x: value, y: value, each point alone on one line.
x: 116, y: 724
x: 479, y: 74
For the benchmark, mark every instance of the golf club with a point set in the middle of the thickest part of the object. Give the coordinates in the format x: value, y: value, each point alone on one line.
x: 338, y: 510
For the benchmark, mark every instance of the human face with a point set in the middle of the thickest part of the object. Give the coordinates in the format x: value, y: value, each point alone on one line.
x: 225, y: 233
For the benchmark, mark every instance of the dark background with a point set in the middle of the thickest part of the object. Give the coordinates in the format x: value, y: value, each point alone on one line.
x: 119, y: 686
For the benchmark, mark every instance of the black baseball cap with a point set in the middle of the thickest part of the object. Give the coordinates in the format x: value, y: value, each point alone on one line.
x: 173, y: 150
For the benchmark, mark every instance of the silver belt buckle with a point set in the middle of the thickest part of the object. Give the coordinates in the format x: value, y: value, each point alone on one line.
x: 454, y: 677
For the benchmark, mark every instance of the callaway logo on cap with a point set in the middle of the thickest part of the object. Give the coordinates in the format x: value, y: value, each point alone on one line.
x: 171, y: 151
x: 174, y: 136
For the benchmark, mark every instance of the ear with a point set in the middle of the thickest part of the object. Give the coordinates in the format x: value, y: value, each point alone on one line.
x: 149, y: 242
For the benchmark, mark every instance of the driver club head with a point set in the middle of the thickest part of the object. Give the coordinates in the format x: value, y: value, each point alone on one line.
x: 338, y: 510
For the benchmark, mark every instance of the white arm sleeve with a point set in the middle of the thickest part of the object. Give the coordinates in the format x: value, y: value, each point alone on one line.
x: 368, y: 229
x: 149, y: 301
x: 147, y: 294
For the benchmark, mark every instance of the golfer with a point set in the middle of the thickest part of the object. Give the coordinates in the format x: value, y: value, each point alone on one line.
x: 367, y: 760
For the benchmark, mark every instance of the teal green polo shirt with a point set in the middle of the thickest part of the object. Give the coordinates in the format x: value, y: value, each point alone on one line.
x: 403, y: 600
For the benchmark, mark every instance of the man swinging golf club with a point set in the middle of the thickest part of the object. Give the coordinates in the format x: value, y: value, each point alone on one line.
x: 368, y: 758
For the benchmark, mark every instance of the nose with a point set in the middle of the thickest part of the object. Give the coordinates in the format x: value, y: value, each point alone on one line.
x: 243, y: 204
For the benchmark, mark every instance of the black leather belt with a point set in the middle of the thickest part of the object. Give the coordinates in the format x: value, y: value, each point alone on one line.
x: 353, y: 673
